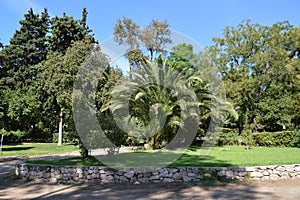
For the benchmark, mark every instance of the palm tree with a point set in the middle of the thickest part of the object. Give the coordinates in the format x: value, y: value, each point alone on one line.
x: 157, y: 100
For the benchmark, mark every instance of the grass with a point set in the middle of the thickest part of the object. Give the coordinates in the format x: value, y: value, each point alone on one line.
x: 239, y: 156
x: 218, y: 157
x: 32, y: 149
x: 68, y: 162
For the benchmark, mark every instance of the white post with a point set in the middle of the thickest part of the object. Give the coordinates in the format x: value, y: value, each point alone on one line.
x: 60, y: 128
x: 2, y: 135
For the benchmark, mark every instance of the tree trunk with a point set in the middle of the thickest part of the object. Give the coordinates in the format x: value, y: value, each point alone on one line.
x: 2, y: 135
x: 60, y: 129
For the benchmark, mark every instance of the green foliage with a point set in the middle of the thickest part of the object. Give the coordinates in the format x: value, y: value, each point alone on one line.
x: 150, y: 93
x: 153, y: 37
x: 37, y: 72
x: 184, y: 57
x: 68, y: 137
x: 258, y: 65
x: 66, y: 30
x: 12, y: 137
x: 83, y: 150
x: 296, y: 141
x: 155, y: 88
x: 228, y: 137
x: 282, y: 138
x: 27, y: 47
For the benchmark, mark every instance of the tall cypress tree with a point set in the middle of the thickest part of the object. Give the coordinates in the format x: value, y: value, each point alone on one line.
x: 27, y: 47
x: 66, y: 29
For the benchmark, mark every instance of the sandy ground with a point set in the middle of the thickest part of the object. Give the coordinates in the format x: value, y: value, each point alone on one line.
x: 11, y: 188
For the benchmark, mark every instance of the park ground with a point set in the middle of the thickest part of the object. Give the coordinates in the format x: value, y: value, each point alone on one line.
x: 13, y: 188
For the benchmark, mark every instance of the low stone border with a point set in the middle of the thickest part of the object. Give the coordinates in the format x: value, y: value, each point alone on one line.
x: 83, y: 174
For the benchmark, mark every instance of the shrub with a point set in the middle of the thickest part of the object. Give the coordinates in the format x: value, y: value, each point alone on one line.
x: 296, y: 141
x: 68, y: 137
x: 228, y: 137
x: 12, y: 137
x: 282, y: 138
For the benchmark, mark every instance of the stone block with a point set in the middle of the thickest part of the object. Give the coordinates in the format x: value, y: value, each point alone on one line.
x: 265, y: 173
x: 109, y: 172
x: 250, y: 169
x: 53, y: 180
x: 243, y: 174
x: 172, y: 170
x: 164, y: 174
x: 256, y: 175
x: 229, y: 174
x: 58, y: 176
x: 95, y: 176
x: 143, y: 180
x: 156, y: 177
x: 40, y: 174
x: 186, y: 178
x: 280, y: 168
x: 297, y: 168
x: 168, y: 180
x: 129, y: 174
x: 290, y: 168
x: 191, y: 174
x: 123, y: 179
x: 177, y: 176
x: 221, y: 173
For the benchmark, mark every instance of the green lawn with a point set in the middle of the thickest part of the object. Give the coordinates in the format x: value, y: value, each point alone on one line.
x: 240, y: 156
x: 31, y: 149
x: 219, y: 156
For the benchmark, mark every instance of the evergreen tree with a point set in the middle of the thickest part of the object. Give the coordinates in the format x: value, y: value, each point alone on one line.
x: 27, y: 47
x: 66, y: 29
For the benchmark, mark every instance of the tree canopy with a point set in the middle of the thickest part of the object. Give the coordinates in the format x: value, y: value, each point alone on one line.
x: 259, y: 66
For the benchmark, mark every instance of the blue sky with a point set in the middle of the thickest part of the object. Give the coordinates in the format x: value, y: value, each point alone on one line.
x: 200, y: 20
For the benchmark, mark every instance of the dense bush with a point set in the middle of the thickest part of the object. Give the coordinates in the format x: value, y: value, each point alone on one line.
x: 12, y: 137
x: 38, y: 137
x: 228, y: 137
x: 269, y: 139
x: 68, y: 137
x: 297, y: 140
x: 282, y: 138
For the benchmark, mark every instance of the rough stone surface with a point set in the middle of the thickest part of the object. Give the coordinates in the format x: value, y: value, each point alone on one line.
x: 71, y: 175
x: 256, y: 174
x: 129, y: 174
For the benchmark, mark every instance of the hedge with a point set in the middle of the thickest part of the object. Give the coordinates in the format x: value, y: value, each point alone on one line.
x: 282, y: 138
x: 268, y: 139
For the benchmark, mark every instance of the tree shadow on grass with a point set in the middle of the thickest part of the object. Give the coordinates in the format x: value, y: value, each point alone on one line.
x: 160, y: 159
x: 143, y: 159
x: 18, y: 148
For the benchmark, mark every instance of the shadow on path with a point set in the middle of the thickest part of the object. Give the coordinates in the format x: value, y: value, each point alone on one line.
x: 182, y: 191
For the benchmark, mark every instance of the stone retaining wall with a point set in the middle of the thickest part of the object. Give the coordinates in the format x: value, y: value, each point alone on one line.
x: 82, y: 174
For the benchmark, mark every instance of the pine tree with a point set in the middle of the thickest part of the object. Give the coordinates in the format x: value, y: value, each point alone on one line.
x: 66, y: 29
x: 27, y: 47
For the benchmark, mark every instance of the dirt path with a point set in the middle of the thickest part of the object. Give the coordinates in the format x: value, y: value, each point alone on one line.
x: 258, y: 190
x: 11, y: 188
